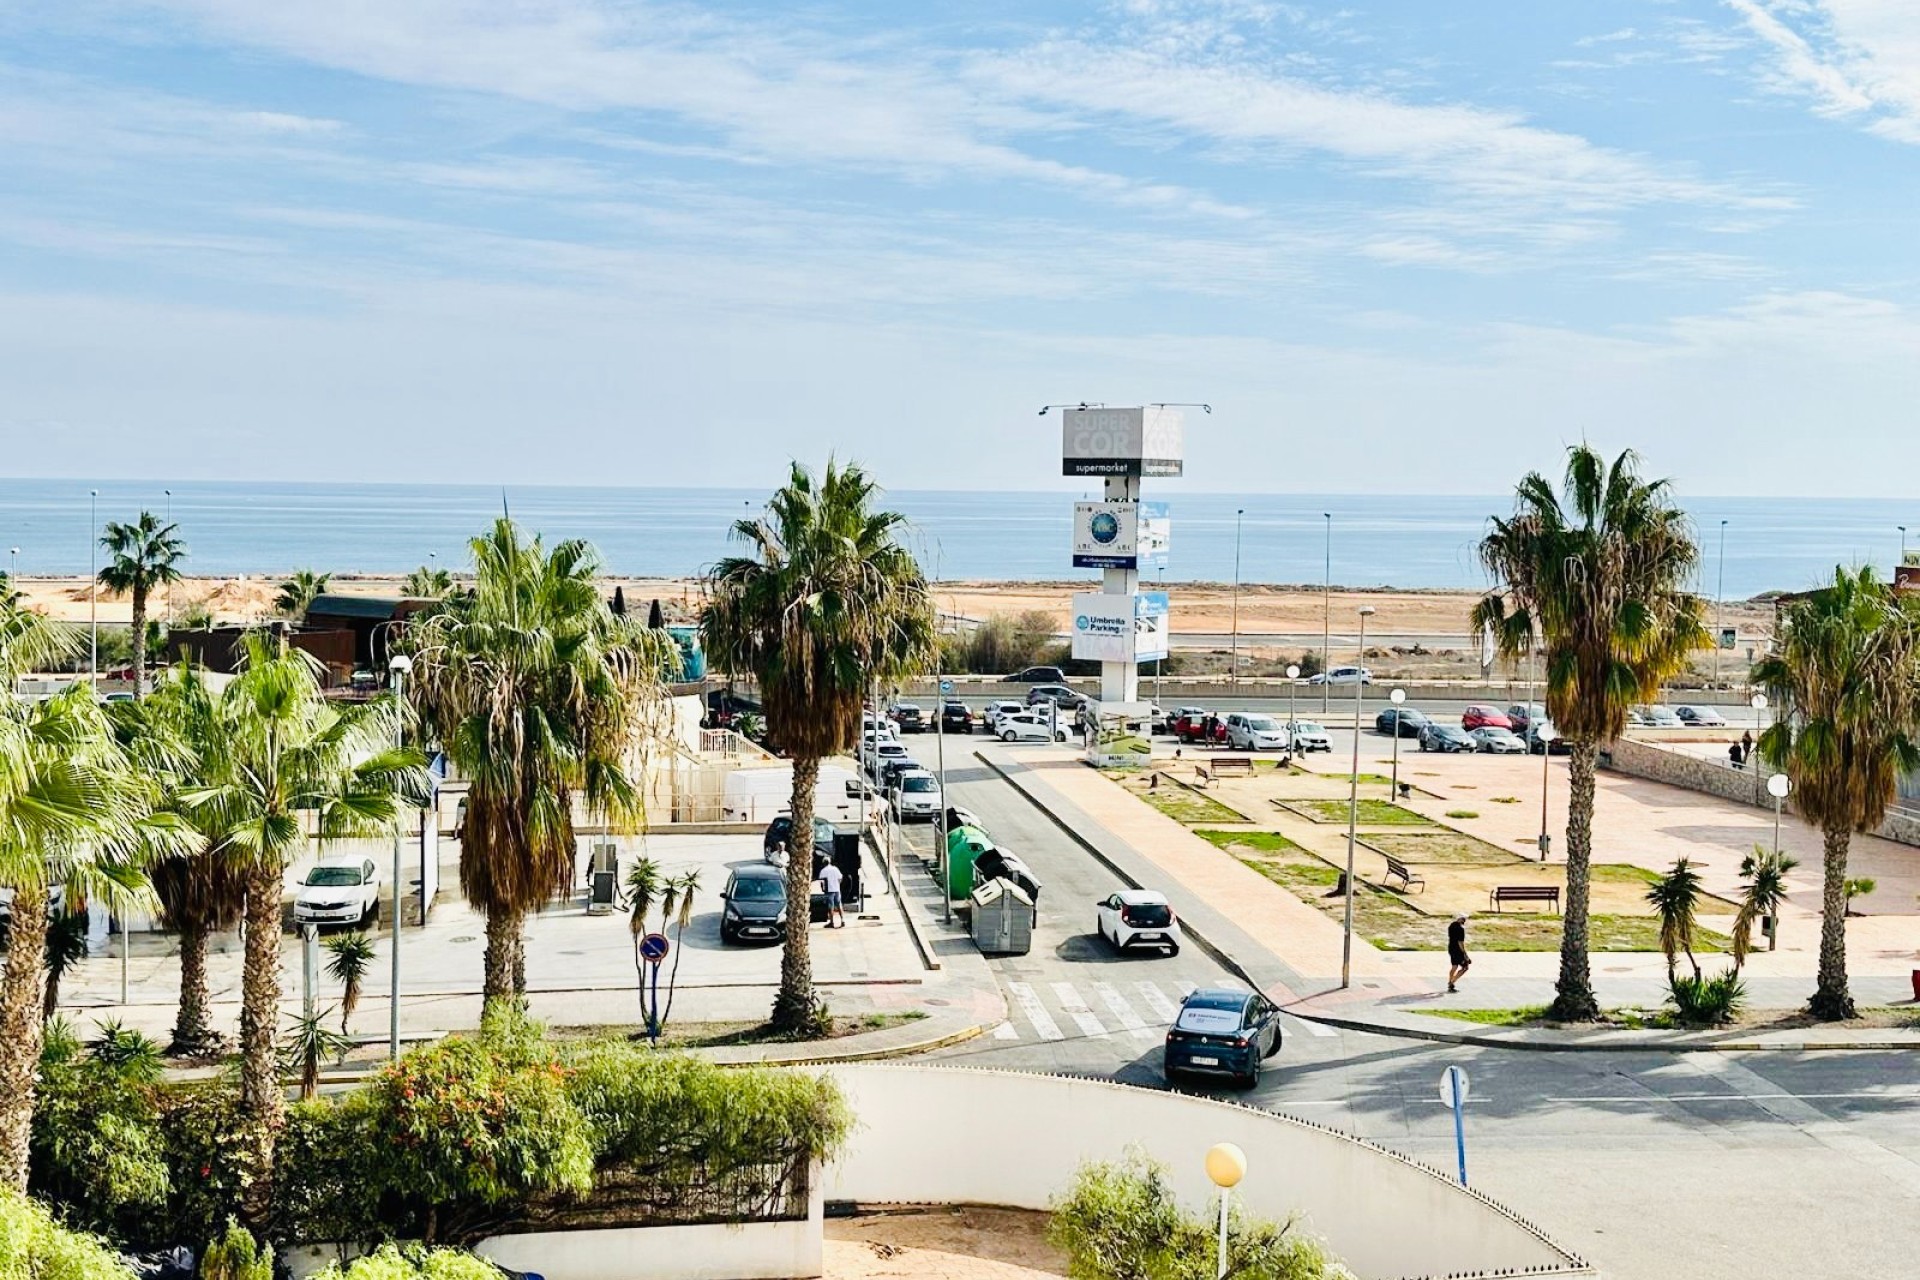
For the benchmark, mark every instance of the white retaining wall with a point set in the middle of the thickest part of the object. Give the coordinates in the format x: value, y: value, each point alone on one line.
x: 958, y: 1136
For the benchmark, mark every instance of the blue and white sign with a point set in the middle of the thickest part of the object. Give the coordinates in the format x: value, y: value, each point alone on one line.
x: 1152, y: 630
x: 946, y: 686
x: 1104, y: 535
x: 1155, y: 535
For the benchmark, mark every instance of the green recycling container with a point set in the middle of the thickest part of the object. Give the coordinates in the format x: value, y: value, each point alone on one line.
x: 964, y: 844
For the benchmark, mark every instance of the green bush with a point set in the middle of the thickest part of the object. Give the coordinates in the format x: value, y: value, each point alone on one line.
x: 97, y: 1151
x: 1707, y: 1002
x: 200, y: 1125
x: 34, y: 1247
x: 1122, y: 1222
x: 236, y: 1256
x: 390, y: 1262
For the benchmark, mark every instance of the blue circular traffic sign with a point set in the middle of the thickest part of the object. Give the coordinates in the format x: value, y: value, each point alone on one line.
x: 946, y: 686
x: 654, y: 947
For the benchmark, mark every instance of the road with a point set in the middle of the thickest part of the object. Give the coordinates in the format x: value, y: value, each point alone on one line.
x: 1708, y: 1166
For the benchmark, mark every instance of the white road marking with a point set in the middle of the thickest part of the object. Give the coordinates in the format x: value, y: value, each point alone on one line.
x: 1312, y: 1028
x: 1157, y: 1003
x: 1122, y: 1011
x: 1870, y: 1096
x: 1023, y: 995
x: 1077, y: 1009
x: 1006, y: 1031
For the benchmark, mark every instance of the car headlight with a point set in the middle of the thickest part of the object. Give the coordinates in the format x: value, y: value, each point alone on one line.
x: 782, y: 917
x: 733, y: 912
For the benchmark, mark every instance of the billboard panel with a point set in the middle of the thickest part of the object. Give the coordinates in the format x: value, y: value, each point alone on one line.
x: 1104, y: 535
x: 1151, y: 630
x: 1155, y: 535
x: 1148, y: 441
x: 1102, y: 627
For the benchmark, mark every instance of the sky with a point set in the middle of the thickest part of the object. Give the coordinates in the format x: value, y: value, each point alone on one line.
x: 1398, y: 246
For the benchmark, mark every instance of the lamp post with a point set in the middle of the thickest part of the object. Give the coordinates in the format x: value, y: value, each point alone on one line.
x: 13, y: 564
x: 1326, y: 602
x: 1226, y: 1166
x: 1546, y: 733
x: 169, y: 496
x: 1353, y: 816
x: 398, y: 665
x: 1777, y: 787
x: 1156, y: 661
x: 1719, y: 595
x: 1903, y: 542
x: 93, y: 590
x: 1233, y: 663
x: 1397, y: 697
x: 1293, y: 703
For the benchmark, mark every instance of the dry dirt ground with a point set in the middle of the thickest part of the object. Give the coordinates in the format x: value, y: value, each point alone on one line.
x: 953, y: 1242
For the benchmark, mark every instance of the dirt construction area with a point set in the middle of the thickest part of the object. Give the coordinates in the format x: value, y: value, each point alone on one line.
x: 951, y: 1242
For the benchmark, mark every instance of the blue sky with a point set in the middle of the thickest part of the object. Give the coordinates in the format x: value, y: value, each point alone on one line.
x: 1408, y: 246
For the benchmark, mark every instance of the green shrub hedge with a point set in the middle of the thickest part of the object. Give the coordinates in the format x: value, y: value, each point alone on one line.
x: 35, y: 1247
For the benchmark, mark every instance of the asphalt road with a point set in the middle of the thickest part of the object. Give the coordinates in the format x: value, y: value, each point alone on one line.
x: 1705, y: 1166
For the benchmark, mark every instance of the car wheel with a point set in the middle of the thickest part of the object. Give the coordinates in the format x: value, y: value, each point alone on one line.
x: 1251, y: 1080
x: 1060, y: 736
x: 1007, y: 736
x: 1173, y: 949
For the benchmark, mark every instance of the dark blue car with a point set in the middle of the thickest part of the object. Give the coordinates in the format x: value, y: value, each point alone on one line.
x: 1222, y: 1031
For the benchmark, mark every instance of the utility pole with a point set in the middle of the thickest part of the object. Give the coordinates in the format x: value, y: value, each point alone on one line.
x: 1719, y: 595
x: 1353, y: 816
x: 1326, y: 631
x: 1233, y: 667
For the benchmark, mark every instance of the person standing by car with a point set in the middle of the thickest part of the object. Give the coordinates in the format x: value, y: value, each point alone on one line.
x: 1457, y: 952
x: 830, y: 880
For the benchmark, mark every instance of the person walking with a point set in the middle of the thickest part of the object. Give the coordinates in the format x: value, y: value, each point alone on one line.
x: 1457, y: 951
x: 830, y: 880
x: 1735, y: 756
x: 1746, y: 745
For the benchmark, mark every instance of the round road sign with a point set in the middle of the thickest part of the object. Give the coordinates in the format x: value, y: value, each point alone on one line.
x: 654, y: 947
x: 946, y: 686
x: 1448, y: 1085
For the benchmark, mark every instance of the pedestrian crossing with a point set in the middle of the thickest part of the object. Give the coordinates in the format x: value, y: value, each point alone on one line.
x: 1137, y: 1011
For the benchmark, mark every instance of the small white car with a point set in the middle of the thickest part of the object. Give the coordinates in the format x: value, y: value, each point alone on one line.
x: 1138, y: 918
x: 343, y: 889
x: 876, y: 757
x: 1307, y: 736
x: 997, y: 709
x: 1342, y: 675
x: 1028, y: 727
x: 1254, y: 732
x: 916, y: 797
x: 1496, y: 741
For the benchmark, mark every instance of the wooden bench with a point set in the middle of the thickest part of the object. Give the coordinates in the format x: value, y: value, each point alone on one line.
x: 1397, y: 869
x: 1202, y: 779
x: 1525, y: 893
x: 1242, y: 765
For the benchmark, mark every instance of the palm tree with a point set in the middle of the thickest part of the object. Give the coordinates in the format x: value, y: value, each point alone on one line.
x: 296, y: 757
x: 428, y: 583
x: 143, y: 555
x: 1765, y: 872
x: 1676, y: 898
x: 1598, y: 572
x: 1845, y: 675
x: 827, y: 603
x: 543, y: 699
x: 298, y: 592
x: 352, y: 956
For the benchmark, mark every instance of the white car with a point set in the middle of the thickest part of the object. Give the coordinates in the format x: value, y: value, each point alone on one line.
x: 997, y: 709
x: 343, y: 889
x: 1028, y: 727
x: 1138, y: 918
x: 1307, y: 736
x: 877, y: 756
x: 1496, y: 741
x: 916, y: 797
x: 1342, y: 675
x: 1254, y: 732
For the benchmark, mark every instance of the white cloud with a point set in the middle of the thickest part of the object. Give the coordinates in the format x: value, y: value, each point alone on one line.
x: 1855, y: 59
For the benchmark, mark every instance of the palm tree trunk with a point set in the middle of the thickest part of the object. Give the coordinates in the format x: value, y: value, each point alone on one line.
x: 504, y: 964
x: 1831, y: 999
x: 796, y: 1009
x: 22, y: 988
x: 191, y: 1034
x: 262, y: 1104
x: 1574, y: 1000
x: 139, y: 640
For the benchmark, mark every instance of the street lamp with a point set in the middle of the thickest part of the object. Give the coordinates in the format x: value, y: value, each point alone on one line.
x: 1233, y: 668
x: 1546, y: 733
x: 399, y: 665
x: 13, y: 564
x: 1353, y: 812
x: 1326, y: 601
x: 1719, y: 595
x: 1226, y: 1166
x: 1293, y: 703
x: 169, y: 585
x: 1903, y: 542
x: 93, y: 591
x: 1397, y: 697
x: 1777, y: 787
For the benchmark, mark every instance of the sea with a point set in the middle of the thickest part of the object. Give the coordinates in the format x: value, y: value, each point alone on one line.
x: 1364, y: 540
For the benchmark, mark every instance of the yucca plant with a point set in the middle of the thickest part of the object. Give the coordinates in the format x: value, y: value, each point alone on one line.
x: 66, y: 947
x: 1765, y: 873
x: 133, y: 1056
x: 1675, y: 898
x: 1859, y: 887
x: 310, y: 1041
x: 1708, y: 1002
x: 350, y: 956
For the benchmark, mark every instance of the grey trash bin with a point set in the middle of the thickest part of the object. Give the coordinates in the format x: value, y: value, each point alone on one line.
x: 603, y: 880
x: 1002, y: 918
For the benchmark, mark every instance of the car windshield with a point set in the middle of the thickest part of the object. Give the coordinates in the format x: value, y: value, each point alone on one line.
x: 334, y: 877
x: 1265, y: 724
x: 1448, y: 731
x: 919, y: 783
x: 759, y: 889
x: 1308, y: 726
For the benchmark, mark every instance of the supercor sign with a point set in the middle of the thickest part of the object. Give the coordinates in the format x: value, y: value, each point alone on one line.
x: 1148, y: 441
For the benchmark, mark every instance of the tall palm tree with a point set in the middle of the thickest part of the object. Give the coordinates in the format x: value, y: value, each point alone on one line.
x: 297, y: 760
x: 142, y: 555
x: 827, y: 603
x: 1675, y: 898
x: 1598, y: 572
x: 1845, y: 675
x: 544, y: 701
x: 297, y: 593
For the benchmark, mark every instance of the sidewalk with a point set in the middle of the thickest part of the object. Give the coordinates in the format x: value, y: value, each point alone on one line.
x: 1292, y: 950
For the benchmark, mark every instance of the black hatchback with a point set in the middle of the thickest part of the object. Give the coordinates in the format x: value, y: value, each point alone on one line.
x: 756, y: 905
x: 1408, y: 721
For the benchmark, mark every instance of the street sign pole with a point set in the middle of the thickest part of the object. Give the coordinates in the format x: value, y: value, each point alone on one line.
x: 940, y: 746
x: 653, y: 949
x: 1453, y: 1092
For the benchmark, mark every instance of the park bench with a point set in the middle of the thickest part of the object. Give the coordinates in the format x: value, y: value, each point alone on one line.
x: 1201, y: 778
x: 1524, y: 893
x: 1397, y: 869
x: 1242, y: 765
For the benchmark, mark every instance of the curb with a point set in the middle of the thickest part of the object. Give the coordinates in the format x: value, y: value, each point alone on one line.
x: 1206, y: 944
x: 1472, y: 1040
x: 927, y: 958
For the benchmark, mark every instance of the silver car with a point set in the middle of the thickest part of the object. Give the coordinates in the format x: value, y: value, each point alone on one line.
x: 1499, y: 742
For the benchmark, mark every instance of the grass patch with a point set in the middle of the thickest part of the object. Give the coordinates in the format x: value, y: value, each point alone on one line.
x: 1506, y: 799
x: 1463, y: 813
x: 1187, y: 807
x: 1308, y: 880
x: 1442, y: 848
x: 1373, y: 812
x: 1621, y: 873
x: 1252, y: 841
x: 1493, y: 1017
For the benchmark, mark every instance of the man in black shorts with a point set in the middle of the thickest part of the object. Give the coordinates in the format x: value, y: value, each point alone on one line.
x: 1457, y: 951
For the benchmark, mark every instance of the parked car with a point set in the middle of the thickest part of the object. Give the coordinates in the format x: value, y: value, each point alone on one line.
x: 1480, y: 716
x: 1002, y: 708
x: 1305, y: 735
x: 1222, y: 1031
x: 1038, y: 675
x: 955, y: 718
x: 883, y: 726
x: 1445, y: 737
x: 1157, y: 720
x: 341, y: 889
x: 1496, y: 741
x: 1137, y: 918
x: 1342, y: 675
x: 1522, y: 714
x: 1635, y: 720
x: 1400, y: 722
x: 756, y: 905
x: 893, y: 770
x: 780, y: 832
x: 1700, y: 717
x: 908, y: 717
x: 916, y: 796
x: 1058, y: 694
x: 1197, y: 724
x: 877, y: 756
x: 1659, y: 717
x: 1254, y: 732
x: 1029, y: 726
x: 1556, y: 744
